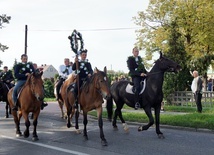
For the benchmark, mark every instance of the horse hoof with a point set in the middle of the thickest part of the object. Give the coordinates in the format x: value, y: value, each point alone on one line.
x: 140, y: 128
x: 161, y: 136
x: 35, y: 139
x: 18, y: 135
x: 6, y: 116
x: 104, y: 143
x: 68, y: 125
x: 78, y: 131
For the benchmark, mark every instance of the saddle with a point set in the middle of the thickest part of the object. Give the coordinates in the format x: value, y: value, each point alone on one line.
x: 130, y: 87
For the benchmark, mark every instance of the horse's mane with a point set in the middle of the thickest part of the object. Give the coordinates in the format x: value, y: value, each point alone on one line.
x: 90, y: 81
x: 35, y: 75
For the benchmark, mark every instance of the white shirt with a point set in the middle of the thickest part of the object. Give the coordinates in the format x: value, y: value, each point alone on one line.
x: 194, y: 84
x: 62, y: 71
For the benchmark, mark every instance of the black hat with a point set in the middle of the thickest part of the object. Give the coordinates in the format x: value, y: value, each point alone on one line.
x: 84, y: 51
x: 5, y: 67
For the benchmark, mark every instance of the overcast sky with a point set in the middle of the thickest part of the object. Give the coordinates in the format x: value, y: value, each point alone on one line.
x: 50, y: 22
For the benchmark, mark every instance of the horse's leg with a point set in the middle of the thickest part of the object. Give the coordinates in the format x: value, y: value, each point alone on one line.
x: 85, y: 122
x: 157, y: 122
x: 77, y: 118
x: 17, y: 122
x: 100, y: 123
x: 27, y: 124
x: 151, y: 119
x: 6, y: 108
x: 35, y: 122
x: 119, y: 113
x: 68, y: 107
x: 61, y: 108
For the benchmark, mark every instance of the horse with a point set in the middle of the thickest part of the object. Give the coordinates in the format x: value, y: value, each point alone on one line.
x: 150, y: 98
x: 71, y: 79
x: 91, y: 97
x: 29, y: 100
x: 4, y: 89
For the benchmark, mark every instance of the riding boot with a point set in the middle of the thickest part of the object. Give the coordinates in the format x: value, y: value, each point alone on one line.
x: 15, y: 107
x: 137, y: 104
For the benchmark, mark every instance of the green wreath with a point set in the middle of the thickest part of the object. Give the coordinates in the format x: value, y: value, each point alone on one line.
x: 73, y: 41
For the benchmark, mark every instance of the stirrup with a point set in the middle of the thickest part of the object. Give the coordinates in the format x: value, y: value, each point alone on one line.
x: 137, y: 105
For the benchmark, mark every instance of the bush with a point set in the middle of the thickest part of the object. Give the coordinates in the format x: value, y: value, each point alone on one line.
x: 49, y: 88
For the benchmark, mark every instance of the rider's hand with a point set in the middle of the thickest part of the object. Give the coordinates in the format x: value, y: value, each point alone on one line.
x: 89, y: 75
x: 142, y: 74
x: 27, y: 74
x: 76, y: 59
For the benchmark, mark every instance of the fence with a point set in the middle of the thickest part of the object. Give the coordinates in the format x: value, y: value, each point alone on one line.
x: 186, y: 98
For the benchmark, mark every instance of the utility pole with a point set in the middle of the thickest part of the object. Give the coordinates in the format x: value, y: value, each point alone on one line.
x: 26, y: 39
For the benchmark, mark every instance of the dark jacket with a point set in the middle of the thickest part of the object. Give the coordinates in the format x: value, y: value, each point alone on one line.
x: 6, y: 76
x: 84, y: 69
x: 135, y: 67
x: 199, y: 85
x: 21, y: 69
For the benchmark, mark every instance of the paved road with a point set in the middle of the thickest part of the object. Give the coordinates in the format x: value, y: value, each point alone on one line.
x: 56, y: 138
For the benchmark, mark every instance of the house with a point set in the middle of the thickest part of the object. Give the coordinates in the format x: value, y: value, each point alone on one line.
x: 48, y: 71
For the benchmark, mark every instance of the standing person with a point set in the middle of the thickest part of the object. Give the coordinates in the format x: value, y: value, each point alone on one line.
x: 21, y: 72
x: 210, y: 85
x: 7, y: 77
x: 137, y: 72
x: 38, y: 70
x: 197, y: 90
x: 64, y: 71
x: 85, y: 70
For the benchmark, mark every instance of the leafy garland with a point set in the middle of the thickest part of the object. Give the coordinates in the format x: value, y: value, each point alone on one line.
x: 25, y: 67
x: 83, y: 65
x: 139, y: 62
x: 74, y: 44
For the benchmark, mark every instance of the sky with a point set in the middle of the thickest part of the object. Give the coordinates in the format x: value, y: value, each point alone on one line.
x: 107, y: 27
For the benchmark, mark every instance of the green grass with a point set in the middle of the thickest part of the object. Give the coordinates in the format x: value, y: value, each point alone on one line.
x: 49, y: 99
x: 191, y: 119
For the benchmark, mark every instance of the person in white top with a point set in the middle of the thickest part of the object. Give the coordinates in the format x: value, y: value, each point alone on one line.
x: 64, y: 71
x: 197, y: 90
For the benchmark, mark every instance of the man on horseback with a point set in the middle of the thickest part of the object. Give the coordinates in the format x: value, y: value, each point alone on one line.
x: 137, y: 72
x: 7, y: 77
x: 84, y: 71
x: 21, y: 72
x: 64, y: 71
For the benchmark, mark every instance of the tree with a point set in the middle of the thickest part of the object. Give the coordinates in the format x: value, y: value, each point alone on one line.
x: 195, y: 24
x: 192, y: 21
x: 4, y: 19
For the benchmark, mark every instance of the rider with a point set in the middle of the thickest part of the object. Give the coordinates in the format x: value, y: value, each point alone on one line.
x: 64, y: 71
x: 7, y: 77
x: 84, y: 71
x: 137, y: 72
x: 21, y: 72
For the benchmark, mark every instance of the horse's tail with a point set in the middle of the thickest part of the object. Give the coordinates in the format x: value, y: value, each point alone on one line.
x: 109, y: 107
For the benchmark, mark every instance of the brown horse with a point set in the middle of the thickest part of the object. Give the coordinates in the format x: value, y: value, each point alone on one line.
x: 91, y: 97
x: 71, y: 78
x: 30, y: 100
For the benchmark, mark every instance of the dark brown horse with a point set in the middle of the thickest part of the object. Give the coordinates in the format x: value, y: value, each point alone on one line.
x: 91, y: 97
x: 71, y: 78
x: 4, y: 89
x: 30, y: 100
x: 150, y: 98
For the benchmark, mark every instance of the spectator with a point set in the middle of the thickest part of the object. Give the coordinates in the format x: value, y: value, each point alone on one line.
x: 210, y: 85
x: 197, y: 90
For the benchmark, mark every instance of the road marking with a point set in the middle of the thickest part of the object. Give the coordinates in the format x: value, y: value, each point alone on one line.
x: 44, y: 145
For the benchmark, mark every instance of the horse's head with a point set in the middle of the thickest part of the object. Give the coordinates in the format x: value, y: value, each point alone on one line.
x: 36, y: 85
x: 167, y: 65
x: 101, y: 82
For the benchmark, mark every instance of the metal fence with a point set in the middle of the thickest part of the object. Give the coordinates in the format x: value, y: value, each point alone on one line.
x: 186, y: 98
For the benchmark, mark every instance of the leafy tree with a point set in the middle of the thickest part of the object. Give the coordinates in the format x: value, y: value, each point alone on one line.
x: 183, y: 30
x: 4, y: 19
x: 194, y: 19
